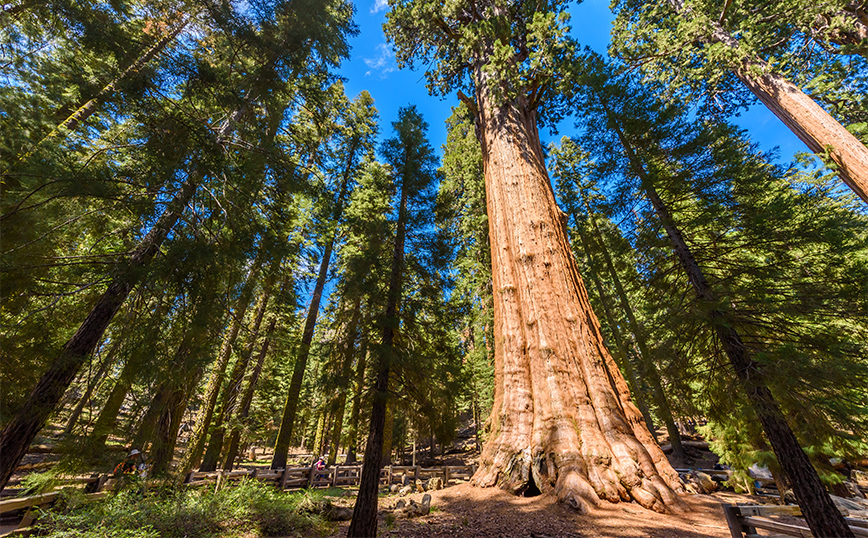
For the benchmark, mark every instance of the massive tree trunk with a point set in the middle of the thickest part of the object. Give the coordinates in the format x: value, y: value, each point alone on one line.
x: 822, y: 133
x: 562, y: 421
x: 346, y: 371
x: 820, y: 512
x: 247, y: 399
x: 196, y: 445
x: 648, y: 366
x: 20, y: 431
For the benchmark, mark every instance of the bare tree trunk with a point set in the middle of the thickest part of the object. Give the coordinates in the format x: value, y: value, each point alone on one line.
x: 247, y: 398
x: 215, y: 381
x: 20, y: 431
x: 823, y: 135
x: 355, y: 412
x: 346, y: 371
x: 562, y: 421
x: 233, y: 388
x: 364, y: 522
x: 820, y: 512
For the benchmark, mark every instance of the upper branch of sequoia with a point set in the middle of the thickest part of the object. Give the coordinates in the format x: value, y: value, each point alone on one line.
x: 520, y: 47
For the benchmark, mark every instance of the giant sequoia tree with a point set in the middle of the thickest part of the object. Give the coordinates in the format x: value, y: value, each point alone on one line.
x: 563, y: 421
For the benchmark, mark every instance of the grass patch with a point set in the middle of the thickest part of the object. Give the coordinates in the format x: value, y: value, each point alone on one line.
x: 248, y: 508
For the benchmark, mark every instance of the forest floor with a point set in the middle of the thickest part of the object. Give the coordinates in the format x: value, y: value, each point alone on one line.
x: 469, y: 511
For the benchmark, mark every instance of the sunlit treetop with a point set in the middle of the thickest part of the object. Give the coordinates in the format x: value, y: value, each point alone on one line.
x: 522, y: 48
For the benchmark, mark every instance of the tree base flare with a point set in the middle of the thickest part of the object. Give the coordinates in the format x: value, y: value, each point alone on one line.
x: 579, y: 482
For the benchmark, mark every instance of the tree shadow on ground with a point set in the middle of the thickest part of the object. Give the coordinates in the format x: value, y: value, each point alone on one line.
x: 489, y: 512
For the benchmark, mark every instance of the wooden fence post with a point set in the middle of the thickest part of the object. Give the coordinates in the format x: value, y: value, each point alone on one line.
x: 389, y: 477
x: 335, y: 475
x: 283, y: 479
x: 730, y: 512
x: 445, y: 475
x: 415, y: 474
x: 310, y: 476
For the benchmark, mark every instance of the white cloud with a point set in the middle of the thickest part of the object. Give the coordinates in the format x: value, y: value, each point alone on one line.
x: 379, y: 5
x: 382, y: 63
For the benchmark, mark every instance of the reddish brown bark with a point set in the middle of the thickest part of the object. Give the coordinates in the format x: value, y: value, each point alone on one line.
x: 822, y: 133
x: 562, y: 420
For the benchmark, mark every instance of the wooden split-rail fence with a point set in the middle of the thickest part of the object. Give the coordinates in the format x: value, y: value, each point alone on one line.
x: 335, y: 476
x: 744, y: 520
x: 99, y: 486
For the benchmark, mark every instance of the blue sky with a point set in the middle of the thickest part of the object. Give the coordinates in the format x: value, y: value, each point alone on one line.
x: 372, y: 67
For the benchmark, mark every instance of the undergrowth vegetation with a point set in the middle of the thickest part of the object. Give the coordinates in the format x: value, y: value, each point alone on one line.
x: 249, y: 509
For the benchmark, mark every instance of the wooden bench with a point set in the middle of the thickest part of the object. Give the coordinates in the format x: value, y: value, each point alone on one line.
x: 744, y: 520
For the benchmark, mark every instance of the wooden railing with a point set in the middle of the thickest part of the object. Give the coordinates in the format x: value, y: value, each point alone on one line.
x: 335, y: 476
x: 744, y: 520
x: 93, y: 488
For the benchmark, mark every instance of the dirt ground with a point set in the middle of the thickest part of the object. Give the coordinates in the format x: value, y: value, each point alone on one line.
x: 468, y: 511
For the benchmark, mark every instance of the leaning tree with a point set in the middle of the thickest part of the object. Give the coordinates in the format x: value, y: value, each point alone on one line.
x: 563, y: 421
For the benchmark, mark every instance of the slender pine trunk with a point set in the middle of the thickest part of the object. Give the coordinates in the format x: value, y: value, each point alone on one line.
x: 356, y: 411
x: 364, y: 522
x: 247, y: 398
x: 287, y: 422
x: 23, y: 427
x: 346, y: 371
x: 96, y: 380
x: 108, y: 415
x: 820, y: 512
x: 652, y: 376
x: 625, y: 362
x: 233, y: 388
x: 196, y: 445
x: 86, y: 110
